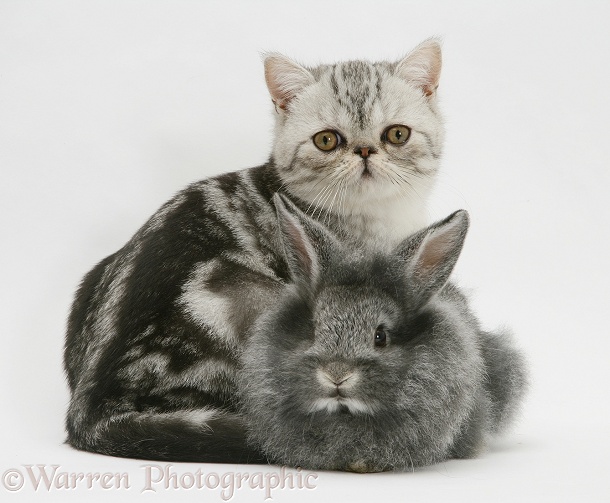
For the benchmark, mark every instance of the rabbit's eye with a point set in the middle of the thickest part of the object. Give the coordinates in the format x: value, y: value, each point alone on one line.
x: 380, y: 337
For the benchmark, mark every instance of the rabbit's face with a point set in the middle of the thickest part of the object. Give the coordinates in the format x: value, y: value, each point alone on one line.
x: 359, y: 357
x: 350, y: 365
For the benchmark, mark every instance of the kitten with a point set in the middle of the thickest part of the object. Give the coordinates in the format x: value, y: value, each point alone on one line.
x: 156, y: 329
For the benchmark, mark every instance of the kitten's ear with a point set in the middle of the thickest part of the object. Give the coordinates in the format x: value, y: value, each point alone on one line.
x: 422, y: 66
x: 430, y: 255
x: 285, y: 79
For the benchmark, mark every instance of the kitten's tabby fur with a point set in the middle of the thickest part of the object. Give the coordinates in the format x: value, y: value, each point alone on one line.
x: 156, y: 329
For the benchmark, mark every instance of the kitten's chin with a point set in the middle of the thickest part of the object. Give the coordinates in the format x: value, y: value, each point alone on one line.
x: 367, y: 194
x: 372, y: 194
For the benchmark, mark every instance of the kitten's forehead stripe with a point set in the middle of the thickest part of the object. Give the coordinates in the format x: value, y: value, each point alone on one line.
x: 377, y: 83
x: 335, y: 86
x: 356, y: 86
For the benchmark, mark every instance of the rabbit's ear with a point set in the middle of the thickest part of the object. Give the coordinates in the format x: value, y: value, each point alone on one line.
x: 299, y: 251
x: 431, y: 255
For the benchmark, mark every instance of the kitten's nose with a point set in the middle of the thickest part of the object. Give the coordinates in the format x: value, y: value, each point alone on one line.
x: 364, y: 152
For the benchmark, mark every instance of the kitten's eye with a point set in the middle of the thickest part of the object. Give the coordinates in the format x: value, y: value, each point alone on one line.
x: 327, y: 140
x: 380, y: 336
x: 397, y: 134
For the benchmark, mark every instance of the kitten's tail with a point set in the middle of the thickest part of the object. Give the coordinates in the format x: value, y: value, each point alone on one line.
x: 507, y: 377
x: 203, y: 436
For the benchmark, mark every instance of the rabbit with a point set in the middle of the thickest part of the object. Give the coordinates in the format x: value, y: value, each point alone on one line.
x: 371, y: 363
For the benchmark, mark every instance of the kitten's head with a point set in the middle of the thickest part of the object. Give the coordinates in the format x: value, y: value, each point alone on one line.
x: 355, y: 133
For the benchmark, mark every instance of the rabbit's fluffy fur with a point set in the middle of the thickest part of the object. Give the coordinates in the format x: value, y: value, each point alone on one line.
x: 321, y: 390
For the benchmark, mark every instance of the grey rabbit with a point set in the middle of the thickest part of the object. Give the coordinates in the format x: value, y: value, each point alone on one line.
x: 369, y: 362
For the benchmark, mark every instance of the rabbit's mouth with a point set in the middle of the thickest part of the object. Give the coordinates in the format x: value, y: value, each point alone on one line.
x: 339, y: 382
x: 336, y: 393
x: 339, y: 403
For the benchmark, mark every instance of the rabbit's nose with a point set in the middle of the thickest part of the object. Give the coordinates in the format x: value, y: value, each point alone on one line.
x: 337, y: 373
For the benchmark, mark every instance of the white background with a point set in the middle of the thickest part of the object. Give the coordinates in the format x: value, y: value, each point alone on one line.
x: 108, y: 108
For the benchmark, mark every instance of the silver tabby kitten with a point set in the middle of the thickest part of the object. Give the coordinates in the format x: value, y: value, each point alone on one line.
x: 156, y: 329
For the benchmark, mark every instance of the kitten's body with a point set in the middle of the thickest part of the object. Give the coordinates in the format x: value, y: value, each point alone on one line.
x: 156, y: 329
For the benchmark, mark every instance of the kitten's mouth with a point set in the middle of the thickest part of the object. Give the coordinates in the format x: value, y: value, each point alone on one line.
x: 366, y: 172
